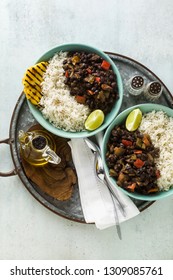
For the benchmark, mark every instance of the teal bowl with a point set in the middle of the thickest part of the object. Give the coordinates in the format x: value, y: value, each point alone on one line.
x: 109, y: 117
x: 120, y: 119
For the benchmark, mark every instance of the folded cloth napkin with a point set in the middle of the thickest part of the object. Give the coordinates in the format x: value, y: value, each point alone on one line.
x: 95, y: 197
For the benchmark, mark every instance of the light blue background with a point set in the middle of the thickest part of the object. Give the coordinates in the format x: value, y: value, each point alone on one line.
x: 140, y: 29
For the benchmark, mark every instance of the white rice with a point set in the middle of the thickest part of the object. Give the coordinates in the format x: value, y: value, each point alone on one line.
x: 160, y: 128
x: 59, y: 107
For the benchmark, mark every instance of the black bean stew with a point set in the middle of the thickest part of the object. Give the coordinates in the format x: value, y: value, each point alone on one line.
x: 91, y: 80
x: 130, y: 157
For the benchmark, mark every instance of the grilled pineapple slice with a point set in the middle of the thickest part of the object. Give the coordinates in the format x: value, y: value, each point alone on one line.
x: 32, y: 80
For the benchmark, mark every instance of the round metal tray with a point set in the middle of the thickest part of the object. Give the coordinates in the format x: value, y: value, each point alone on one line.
x: 23, y: 119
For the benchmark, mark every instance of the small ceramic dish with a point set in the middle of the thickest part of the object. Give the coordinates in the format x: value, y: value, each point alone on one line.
x: 108, y: 118
x: 120, y: 119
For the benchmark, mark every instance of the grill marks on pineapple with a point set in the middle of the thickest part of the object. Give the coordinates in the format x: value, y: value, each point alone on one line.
x: 35, y: 86
x: 32, y: 82
x: 32, y: 96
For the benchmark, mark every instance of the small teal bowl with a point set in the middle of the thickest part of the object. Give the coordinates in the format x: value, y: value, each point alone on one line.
x: 109, y: 117
x: 120, y: 119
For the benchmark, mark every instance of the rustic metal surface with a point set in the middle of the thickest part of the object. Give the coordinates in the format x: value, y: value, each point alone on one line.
x: 22, y: 119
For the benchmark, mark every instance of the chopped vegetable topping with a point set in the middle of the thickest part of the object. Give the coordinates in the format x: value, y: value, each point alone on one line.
x: 90, y: 92
x: 97, y: 79
x: 80, y: 99
x: 89, y: 70
x: 66, y: 74
x: 132, y: 187
x: 105, y: 65
x: 130, y: 159
x: 89, y: 75
x: 139, y: 163
x: 127, y: 142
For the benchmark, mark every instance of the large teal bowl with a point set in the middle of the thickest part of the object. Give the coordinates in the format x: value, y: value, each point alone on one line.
x: 109, y: 117
x: 145, y: 108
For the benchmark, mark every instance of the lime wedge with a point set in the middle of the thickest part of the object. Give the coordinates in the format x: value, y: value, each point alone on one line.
x: 133, y: 120
x: 94, y: 120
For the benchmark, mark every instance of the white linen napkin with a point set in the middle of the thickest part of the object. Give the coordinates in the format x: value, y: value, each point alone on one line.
x: 95, y: 197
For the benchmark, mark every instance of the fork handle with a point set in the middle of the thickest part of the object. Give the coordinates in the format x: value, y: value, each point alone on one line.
x: 117, y: 223
x: 116, y: 196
